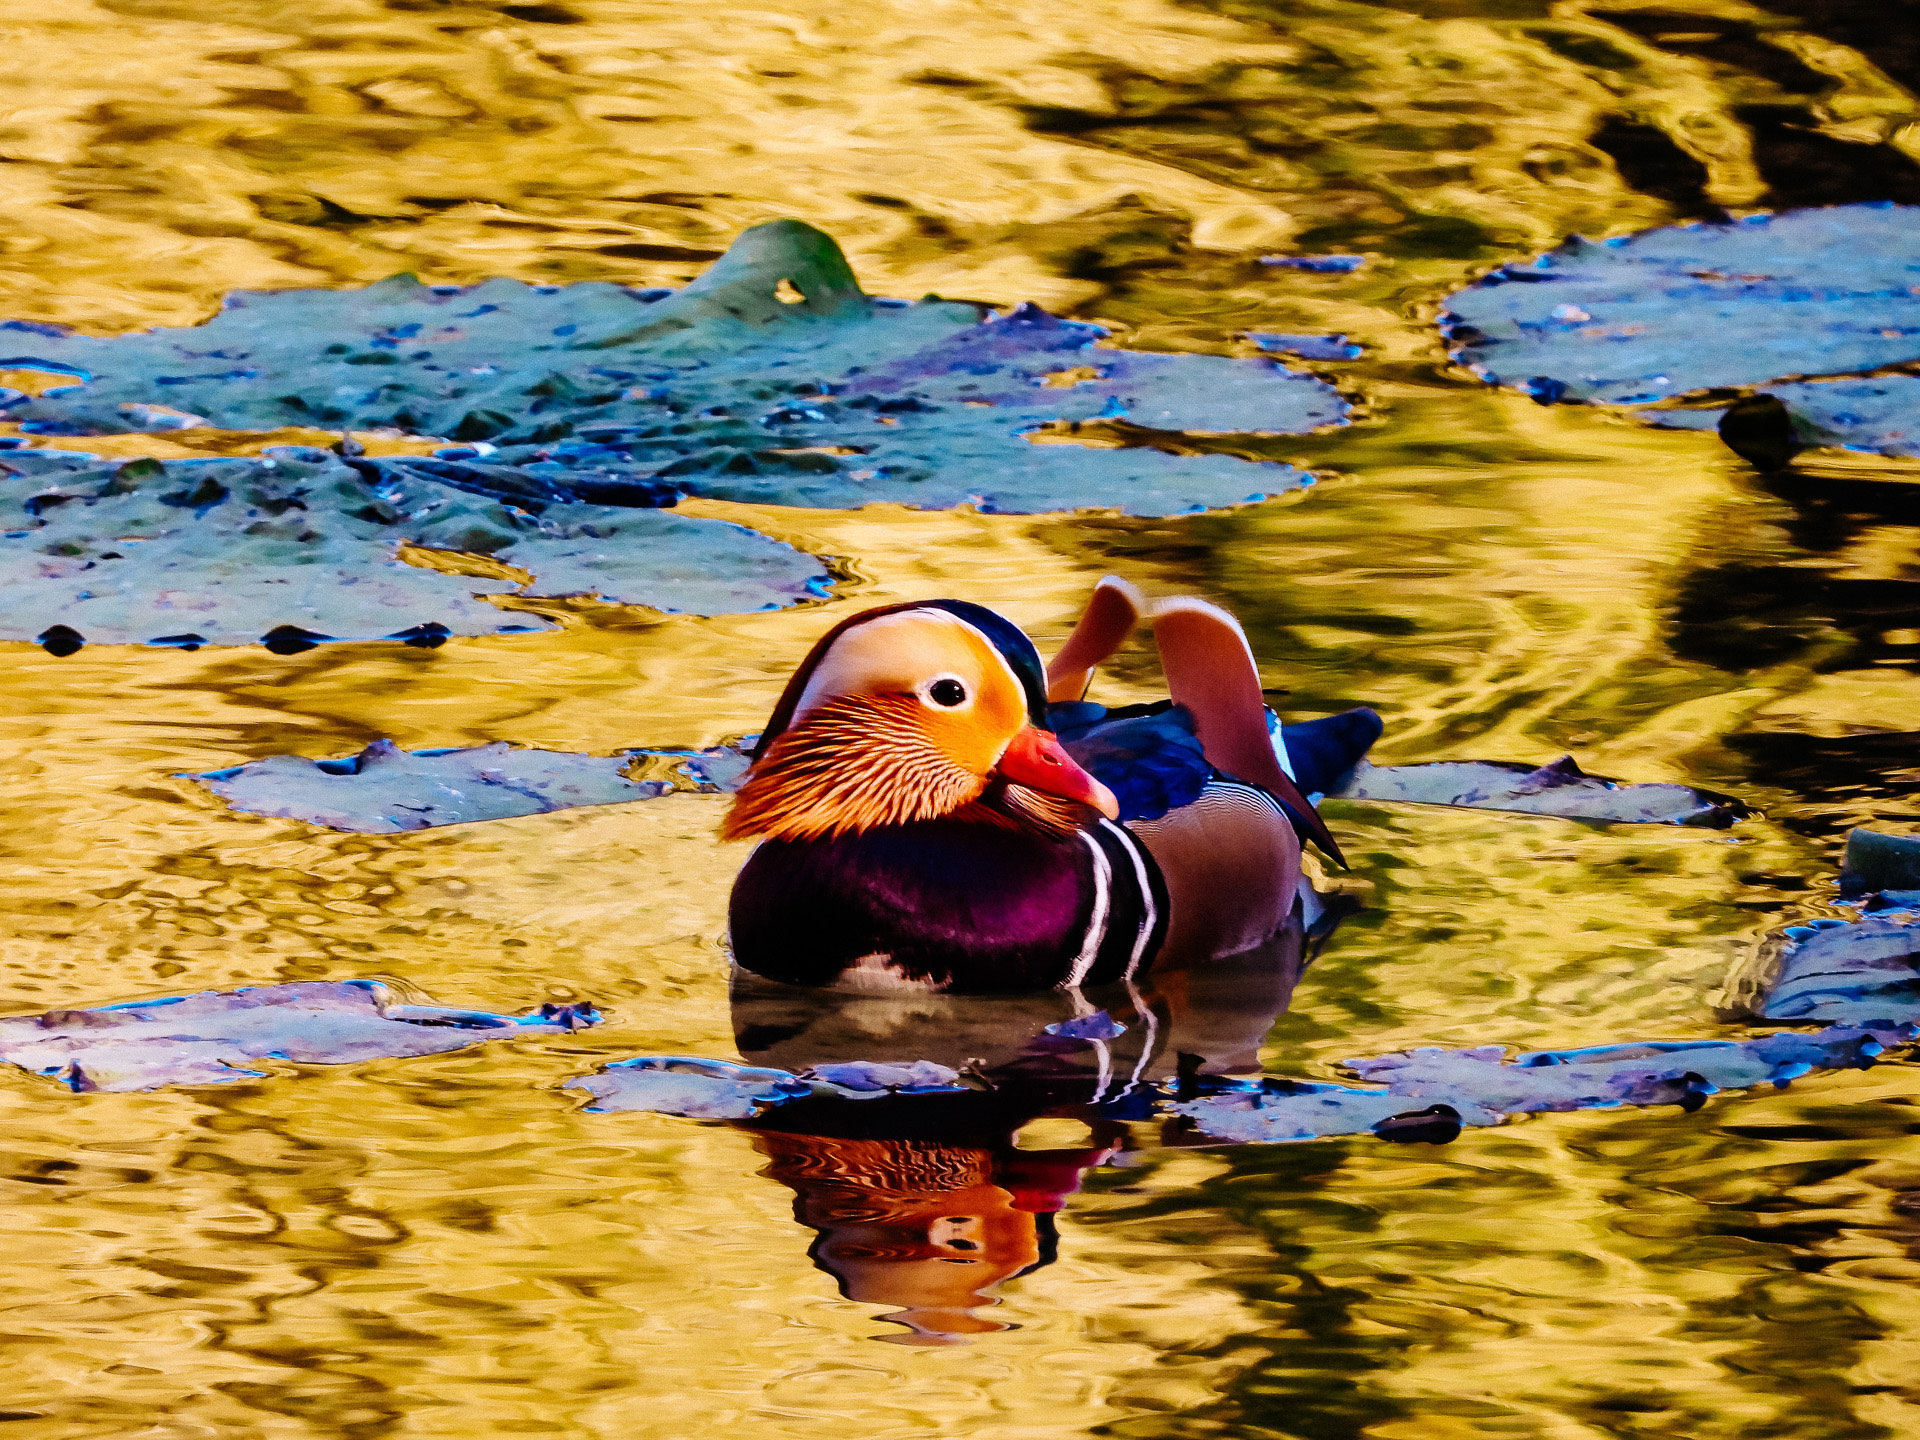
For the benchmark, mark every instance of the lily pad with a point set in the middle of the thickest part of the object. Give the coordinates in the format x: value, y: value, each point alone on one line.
x: 385, y: 789
x: 1560, y: 788
x: 1481, y: 1087
x: 214, y: 1037
x: 1866, y: 972
x: 595, y: 392
x: 1658, y: 314
x: 297, y: 548
x: 720, y: 1090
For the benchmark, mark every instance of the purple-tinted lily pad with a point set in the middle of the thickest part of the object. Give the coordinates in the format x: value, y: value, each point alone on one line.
x: 1560, y: 788
x: 215, y: 1037
x: 1316, y: 264
x: 720, y: 1090
x: 1859, y: 973
x: 1481, y: 1087
x: 1879, y: 413
x: 1658, y: 314
x: 595, y: 392
x: 1307, y: 347
x: 297, y: 548
x: 385, y: 789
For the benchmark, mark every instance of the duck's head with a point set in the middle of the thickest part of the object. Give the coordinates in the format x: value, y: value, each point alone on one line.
x: 913, y: 712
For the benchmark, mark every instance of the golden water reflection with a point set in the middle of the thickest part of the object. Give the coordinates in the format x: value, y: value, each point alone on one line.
x: 450, y: 1247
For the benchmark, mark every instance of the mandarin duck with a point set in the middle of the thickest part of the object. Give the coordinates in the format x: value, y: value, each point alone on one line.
x: 937, y: 810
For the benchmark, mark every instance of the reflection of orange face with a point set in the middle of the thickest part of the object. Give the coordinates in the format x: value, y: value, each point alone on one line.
x: 932, y: 1255
x: 910, y: 1223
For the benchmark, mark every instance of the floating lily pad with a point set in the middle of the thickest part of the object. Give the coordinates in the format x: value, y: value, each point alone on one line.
x: 719, y: 1090
x: 1481, y: 1087
x: 1561, y: 788
x: 298, y: 547
x: 1664, y: 312
x: 385, y: 789
x: 1866, y: 972
x: 214, y: 1038
x: 596, y: 392
x: 1308, y: 347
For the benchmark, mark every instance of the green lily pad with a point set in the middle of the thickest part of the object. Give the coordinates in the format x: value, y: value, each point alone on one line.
x: 298, y: 548
x: 594, y: 392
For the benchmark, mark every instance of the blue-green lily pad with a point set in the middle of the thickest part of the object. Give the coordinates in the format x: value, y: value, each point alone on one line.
x: 1859, y: 973
x: 1877, y: 413
x: 1481, y: 1087
x: 601, y: 393
x: 385, y: 789
x: 297, y: 548
x: 214, y: 1037
x: 1658, y: 314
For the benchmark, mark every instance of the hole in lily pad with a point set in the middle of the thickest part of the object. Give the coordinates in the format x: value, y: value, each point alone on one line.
x: 772, y: 378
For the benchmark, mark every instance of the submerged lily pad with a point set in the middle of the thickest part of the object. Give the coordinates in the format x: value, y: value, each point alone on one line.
x: 1481, y: 1087
x: 213, y: 1038
x: 385, y: 789
x: 597, y: 392
x: 1664, y: 312
x: 298, y: 547
x: 1560, y: 788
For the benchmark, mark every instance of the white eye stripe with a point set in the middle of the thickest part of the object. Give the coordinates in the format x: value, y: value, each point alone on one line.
x: 947, y: 692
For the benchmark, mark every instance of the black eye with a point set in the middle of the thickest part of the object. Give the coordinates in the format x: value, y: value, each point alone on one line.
x: 947, y: 692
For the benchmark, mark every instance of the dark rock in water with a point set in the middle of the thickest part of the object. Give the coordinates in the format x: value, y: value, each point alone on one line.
x: 1878, y: 861
x: 60, y: 640
x: 214, y: 1037
x: 1759, y: 429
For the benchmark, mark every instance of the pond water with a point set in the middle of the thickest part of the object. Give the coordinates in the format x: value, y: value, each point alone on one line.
x: 453, y: 1246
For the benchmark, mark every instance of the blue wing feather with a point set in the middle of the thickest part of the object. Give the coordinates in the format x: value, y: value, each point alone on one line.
x: 1149, y: 756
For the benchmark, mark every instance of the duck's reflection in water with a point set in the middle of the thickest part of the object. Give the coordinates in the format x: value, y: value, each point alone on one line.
x: 928, y: 1202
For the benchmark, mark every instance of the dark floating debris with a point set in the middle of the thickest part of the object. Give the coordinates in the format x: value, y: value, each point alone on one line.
x: 60, y: 640
x: 215, y: 1037
x: 596, y: 394
x: 292, y: 640
x: 1560, y: 788
x: 1759, y: 429
x: 296, y: 548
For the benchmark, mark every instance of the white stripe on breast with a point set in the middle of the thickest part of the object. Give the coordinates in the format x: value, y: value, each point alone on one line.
x: 1149, y: 914
x: 1097, y: 919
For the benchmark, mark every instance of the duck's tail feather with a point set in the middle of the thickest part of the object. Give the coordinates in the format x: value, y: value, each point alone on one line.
x: 1210, y: 670
x: 1116, y: 607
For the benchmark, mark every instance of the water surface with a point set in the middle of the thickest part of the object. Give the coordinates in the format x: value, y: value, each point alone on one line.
x: 451, y: 1247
